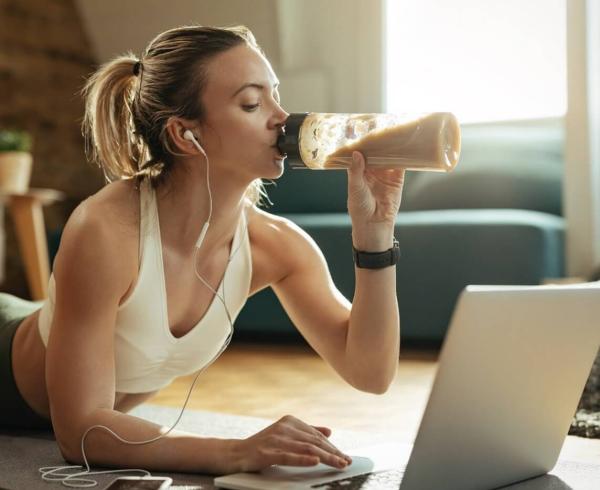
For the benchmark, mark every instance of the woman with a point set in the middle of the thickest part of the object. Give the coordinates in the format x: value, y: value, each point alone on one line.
x: 185, y: 134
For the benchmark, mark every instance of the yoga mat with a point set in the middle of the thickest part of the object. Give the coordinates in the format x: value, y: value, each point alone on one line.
x: 22, y: 453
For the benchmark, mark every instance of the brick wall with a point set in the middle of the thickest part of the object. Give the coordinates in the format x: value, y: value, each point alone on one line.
x: 44, y: 59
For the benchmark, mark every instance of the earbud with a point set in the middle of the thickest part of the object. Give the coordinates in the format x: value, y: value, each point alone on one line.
x: 188, y: 135
x: 74, y: 480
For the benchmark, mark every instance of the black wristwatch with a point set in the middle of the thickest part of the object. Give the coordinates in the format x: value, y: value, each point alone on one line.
x: 377, y: 260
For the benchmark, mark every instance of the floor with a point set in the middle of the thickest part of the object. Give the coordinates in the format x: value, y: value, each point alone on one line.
x: 274, y: 380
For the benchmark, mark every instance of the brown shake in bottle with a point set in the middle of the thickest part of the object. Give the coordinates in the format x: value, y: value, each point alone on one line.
x: 323, y: 141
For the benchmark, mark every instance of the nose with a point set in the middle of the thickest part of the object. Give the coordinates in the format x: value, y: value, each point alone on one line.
x: 282, y: 115
x: 279, y: 118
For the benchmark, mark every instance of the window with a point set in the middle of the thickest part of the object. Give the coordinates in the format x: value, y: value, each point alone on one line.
x: 484, y: 60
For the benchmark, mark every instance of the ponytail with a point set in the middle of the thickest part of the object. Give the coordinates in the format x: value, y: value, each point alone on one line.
x: 108, y: 125
x: 129, y: 101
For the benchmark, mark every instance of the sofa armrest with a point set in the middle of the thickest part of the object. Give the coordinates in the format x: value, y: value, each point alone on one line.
x: 443, y: 251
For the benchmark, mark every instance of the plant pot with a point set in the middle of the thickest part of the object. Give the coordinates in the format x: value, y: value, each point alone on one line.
x: 15, y: 171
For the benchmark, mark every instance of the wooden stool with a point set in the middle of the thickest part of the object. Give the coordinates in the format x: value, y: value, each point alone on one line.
x: 27, y: 214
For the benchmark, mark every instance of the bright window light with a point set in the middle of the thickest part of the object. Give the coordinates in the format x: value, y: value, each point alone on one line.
x: 484, y: 60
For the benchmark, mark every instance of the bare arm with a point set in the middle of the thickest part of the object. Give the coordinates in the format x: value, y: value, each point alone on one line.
x: 374, y: 327
x: 360, y: 340
x: 91, y: 279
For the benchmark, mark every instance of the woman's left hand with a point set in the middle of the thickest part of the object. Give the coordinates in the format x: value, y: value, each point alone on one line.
x: 374, y: 196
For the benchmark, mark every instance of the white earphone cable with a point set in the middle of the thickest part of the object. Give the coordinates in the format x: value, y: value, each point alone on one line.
x: 74, y: 480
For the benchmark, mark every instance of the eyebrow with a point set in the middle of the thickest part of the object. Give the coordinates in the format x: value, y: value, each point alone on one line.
x: 253, y: 85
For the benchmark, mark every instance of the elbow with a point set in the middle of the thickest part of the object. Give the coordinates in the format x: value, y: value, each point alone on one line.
x: 376, y: 385
x: 376, y: 389
x: 382, y: 388
x: 70, y: 429
x: 69, y: 450
x: 68, y: 439
x: 373, y: 389
x: 370, y: 375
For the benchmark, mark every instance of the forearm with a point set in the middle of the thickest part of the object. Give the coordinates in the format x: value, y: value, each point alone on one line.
x: 178, y: 451
x: 373, y: 340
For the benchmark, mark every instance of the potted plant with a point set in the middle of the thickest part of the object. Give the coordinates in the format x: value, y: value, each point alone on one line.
x: 15, y: 161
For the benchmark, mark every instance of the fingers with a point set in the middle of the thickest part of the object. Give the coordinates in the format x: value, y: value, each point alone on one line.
x: 289, y: 459
x: 321, y: 432
x: 289, y: 441
x: 357, y: 184
x: 317, y: 436
x: 357, y: 167
x: 320, y: 442
x: 326, y: 431
x: 358, y: 162
x: 337, y: 460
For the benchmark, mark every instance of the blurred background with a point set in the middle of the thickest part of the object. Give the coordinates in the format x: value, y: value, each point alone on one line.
x: 522, y: 76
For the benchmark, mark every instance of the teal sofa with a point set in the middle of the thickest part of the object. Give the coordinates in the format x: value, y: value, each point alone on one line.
x: 495, y: 220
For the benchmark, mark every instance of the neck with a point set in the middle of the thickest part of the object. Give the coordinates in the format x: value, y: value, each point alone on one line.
x: 183, y: 204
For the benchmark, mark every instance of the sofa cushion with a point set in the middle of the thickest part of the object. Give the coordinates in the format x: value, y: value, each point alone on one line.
x: 309, y: 191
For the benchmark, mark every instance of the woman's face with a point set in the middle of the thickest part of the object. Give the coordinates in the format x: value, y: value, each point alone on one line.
x: 242, y: 114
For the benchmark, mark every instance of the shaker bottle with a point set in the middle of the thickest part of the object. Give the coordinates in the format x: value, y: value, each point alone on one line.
x: 322, y: 141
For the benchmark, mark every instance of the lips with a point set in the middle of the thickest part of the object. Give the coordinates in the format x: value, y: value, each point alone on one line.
x: 280, y: 139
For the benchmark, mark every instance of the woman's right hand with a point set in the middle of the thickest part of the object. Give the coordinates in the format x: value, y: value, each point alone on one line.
x: 290, y: 442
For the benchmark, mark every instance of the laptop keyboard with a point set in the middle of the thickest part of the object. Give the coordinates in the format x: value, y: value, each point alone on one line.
x: 379, y: 480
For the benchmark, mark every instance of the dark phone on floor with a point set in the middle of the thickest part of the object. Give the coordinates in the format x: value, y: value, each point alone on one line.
x: 140, y: 483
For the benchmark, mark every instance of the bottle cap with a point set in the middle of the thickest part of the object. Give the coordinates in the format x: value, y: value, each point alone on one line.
x: 288, y: 143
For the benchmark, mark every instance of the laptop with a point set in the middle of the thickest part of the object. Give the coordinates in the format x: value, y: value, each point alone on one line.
x: 511, y: 372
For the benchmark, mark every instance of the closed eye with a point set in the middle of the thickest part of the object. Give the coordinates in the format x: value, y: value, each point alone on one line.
x: 253, y: 107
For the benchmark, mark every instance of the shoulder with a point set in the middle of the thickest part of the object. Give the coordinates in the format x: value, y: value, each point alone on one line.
x: 270, y: 229
x: 101, y: 235
x: 281, y: 241
x: 110, y: 216
x: 115, y: 206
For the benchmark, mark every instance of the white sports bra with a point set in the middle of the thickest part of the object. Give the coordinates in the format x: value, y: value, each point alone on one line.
x: 147, y: 355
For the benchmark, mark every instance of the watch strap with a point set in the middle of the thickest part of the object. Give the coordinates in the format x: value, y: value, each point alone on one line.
x: 377, y: 260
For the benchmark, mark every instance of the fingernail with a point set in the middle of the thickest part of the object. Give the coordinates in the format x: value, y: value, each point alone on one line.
x: 354, y: 156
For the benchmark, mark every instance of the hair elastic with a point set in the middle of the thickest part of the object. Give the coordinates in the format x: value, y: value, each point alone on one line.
x: 137, y: 67
x: 138, y: 70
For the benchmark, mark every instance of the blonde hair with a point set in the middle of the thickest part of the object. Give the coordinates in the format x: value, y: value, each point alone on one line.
x: 128, y: 105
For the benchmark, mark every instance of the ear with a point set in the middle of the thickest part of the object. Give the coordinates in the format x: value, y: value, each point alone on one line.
x: 175, y: 128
